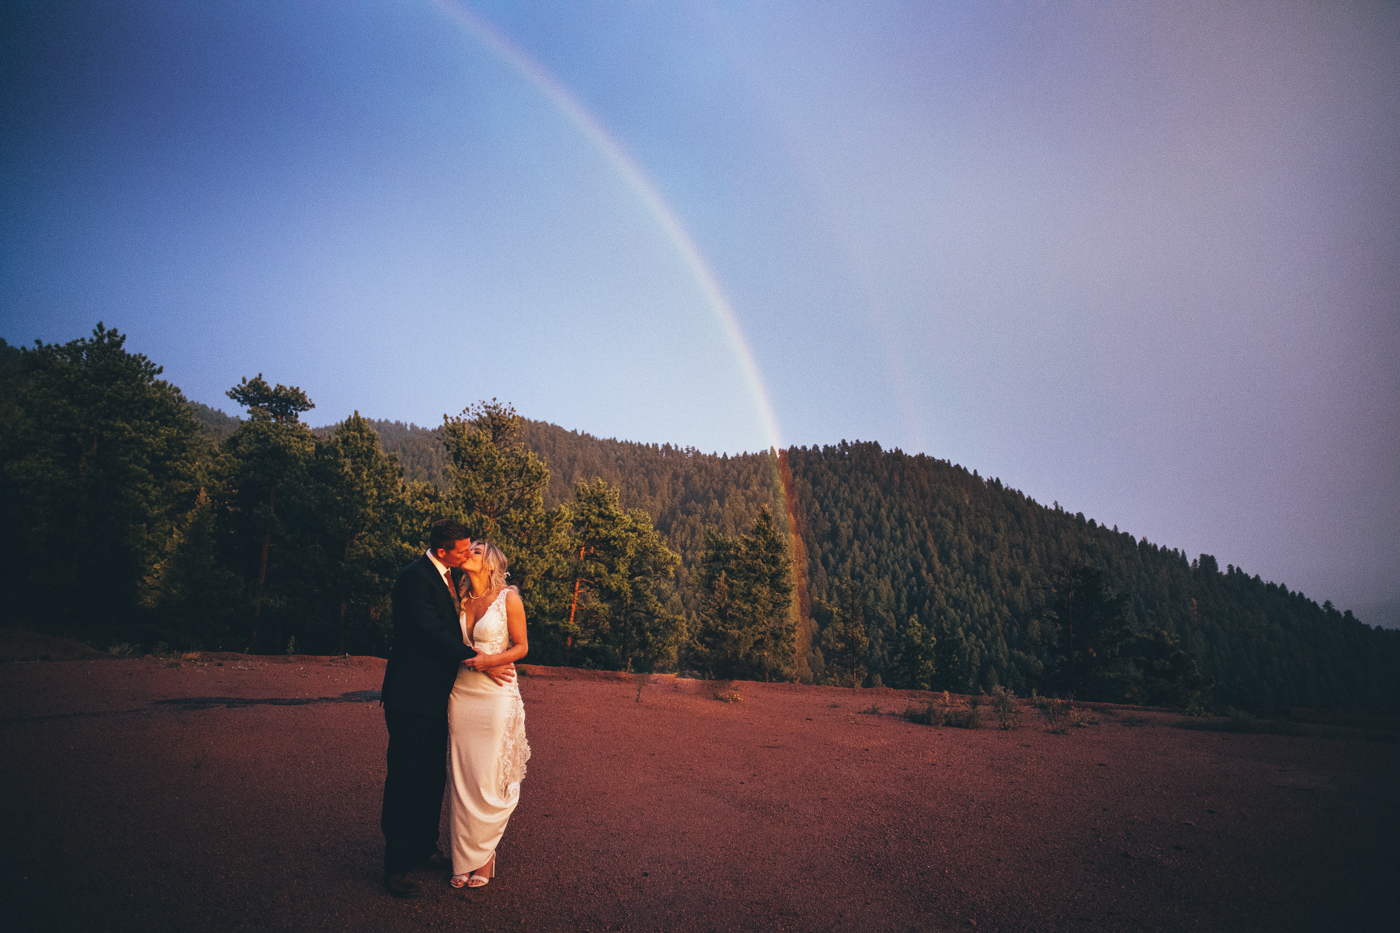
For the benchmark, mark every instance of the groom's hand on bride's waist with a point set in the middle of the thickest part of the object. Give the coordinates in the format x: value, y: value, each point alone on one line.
x: 501, y: 675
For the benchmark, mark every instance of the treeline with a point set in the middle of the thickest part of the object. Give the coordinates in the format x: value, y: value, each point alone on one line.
x: 135, y: 515
x: 684, y: 492
x: 914, y: 572
x: 974, y: 584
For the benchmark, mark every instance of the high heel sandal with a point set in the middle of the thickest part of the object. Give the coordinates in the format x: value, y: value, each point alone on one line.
x: 472, y: 879
x: 480, y: 881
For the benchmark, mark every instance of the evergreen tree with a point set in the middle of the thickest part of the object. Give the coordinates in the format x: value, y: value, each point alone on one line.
x: 616, y: 562
x: 917, y: 656
x: 280, y: 404
x: 745, y: 625
x: 1162, y: 673
x: 1094, y: 623
x: 362, y: 510
x: 270, y: 452
x: 844, y: 640
x: 497, y: 492
x: 99, y: 458
x: 195, y: 600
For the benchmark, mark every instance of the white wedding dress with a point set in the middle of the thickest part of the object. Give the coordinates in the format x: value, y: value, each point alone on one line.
x: 488, y: 750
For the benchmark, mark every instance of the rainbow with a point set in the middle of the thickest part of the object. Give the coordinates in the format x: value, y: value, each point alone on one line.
x: 665, y: 217
x: 642, y: 186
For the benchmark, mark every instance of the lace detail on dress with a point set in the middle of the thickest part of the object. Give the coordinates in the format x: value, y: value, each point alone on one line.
x: 491, y: 635
x: 515, y: 751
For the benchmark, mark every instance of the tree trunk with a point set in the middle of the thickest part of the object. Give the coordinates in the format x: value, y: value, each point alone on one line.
x: 573, y: 608
x: 262, y: 569
x: 344, y: 601
x: 578, y: 582
x: 1069, y: 613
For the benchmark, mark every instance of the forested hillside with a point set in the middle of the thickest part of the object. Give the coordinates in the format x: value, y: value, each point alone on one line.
x: 219, y: 425
x: 983, y: 571
x: 999, y: 580
x: 844, y: 564
x: 684, y: 491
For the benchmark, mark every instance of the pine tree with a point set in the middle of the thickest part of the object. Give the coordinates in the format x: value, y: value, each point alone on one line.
x: 616, y: 562
x: 497, y: 491
x: 271, y: 451
x: 745, y: 627
x: 95, y: 452
x: 845, y: 641
x: 362, y: 511
x: 917, y: 653
x: 195, y: 600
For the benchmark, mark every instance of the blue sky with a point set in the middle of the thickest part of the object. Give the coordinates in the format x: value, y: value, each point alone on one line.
x: 1139, y: 259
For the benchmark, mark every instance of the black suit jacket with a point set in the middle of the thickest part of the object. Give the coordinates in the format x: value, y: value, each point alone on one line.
x: 428, y: 644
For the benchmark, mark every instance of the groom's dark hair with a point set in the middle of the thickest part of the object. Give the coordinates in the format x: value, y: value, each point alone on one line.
x: 444, y: 533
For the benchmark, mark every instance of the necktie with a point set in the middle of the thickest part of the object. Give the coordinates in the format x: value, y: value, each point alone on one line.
x: 447, y: 575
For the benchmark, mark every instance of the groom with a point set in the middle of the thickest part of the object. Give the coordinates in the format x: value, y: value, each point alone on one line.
x: 423, y: 664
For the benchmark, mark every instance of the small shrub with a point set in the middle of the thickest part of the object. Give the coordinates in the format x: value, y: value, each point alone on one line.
x: 871, y: 710
x: 958, y: 717
x: 928, y: 716
x: 291, y: 646
x: 1054, y: 711
x: 725, y: 693
x: 122, y: 650
x: 1004, y: 706
x: 944, y: 713
x: 163, y: 652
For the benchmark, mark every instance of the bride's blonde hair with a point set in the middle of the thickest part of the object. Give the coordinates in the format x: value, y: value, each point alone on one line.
x: 495, y: 562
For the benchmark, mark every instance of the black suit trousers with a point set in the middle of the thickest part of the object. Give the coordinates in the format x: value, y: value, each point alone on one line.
x: 413, y: 786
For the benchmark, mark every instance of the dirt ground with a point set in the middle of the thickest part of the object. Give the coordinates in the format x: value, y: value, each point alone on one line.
x: 238, y: 793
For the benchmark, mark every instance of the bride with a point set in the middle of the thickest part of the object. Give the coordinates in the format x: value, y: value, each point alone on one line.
x: 486, y: 720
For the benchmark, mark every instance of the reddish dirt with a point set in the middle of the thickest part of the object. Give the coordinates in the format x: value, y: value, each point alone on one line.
x: 243, y: 794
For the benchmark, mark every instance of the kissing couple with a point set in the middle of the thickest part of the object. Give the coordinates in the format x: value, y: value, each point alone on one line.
x: 450, y: 687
